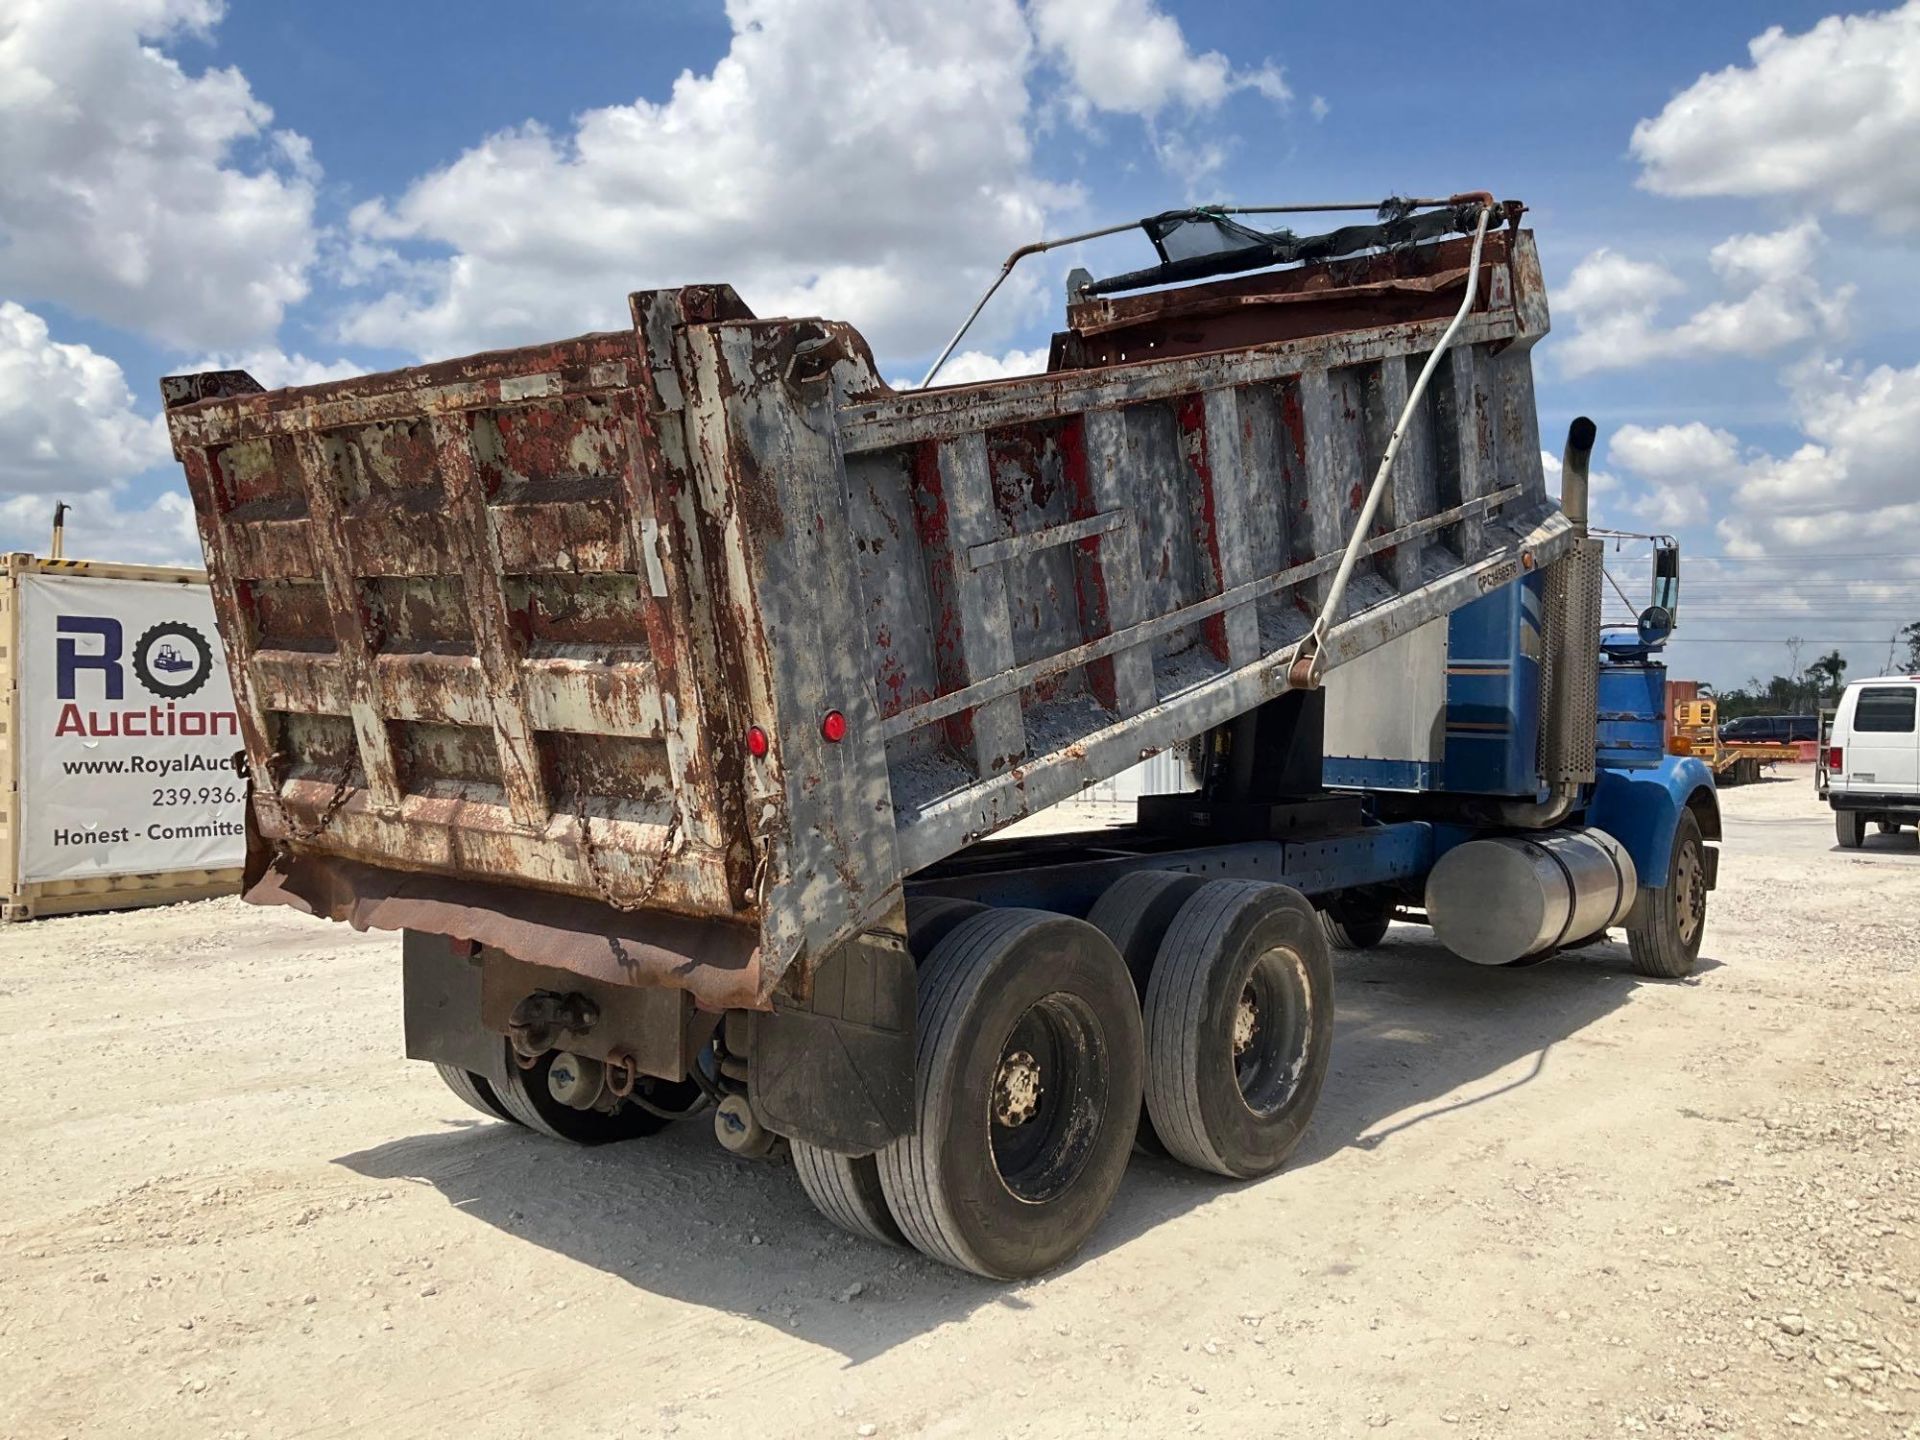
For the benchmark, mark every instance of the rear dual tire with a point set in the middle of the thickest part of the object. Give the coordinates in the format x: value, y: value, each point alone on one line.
x: 1348, y: 929
x: 846, y: 1190
x: 1135, y: 914
x: 526, y: 1099
x: 1239, y: 1027
x: 1027, y: 1088
x: 1034, y: 1067
x: 475, y: 1090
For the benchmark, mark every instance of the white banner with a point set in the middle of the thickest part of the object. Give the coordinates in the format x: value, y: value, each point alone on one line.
x: 128, y: 731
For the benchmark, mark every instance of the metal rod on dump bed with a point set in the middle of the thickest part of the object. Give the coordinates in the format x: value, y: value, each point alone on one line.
x: 1308, y: 652
x: 1040, y: 247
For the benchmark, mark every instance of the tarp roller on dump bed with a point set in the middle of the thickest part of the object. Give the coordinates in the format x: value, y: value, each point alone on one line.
x: 507, y: 633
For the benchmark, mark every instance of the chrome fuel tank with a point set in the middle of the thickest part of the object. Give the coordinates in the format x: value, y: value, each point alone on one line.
x: 1500, y: 900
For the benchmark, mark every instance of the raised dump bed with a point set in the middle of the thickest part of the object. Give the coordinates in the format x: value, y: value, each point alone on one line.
x: 664, y: 656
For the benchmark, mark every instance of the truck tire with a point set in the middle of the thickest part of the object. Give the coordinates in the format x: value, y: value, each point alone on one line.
x: 1134, y: 914
x: 1665, y: 926
x: 1027, y: 1083
x: 930, y: 917
x: 1239, y: 1026
x: 1353, y: 929
x: 475, y: 1090
x: 846, y: 1189
x: 1850, y: 828
x: 527, y: 1100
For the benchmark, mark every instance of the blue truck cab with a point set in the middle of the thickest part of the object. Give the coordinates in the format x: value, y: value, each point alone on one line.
x: 1528, y: 745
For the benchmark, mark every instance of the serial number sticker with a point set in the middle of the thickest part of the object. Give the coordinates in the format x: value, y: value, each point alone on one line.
x: 1498, y: 576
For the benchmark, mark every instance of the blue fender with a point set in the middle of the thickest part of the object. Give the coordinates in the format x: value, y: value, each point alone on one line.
x: 1641, y: 808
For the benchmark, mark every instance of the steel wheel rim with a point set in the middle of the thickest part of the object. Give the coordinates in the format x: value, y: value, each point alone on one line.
x: 1269, y: 1054
x: 1047, y: 1095
x: 1692, y: 893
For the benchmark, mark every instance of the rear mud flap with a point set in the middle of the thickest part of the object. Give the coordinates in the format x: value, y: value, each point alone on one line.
x: 838, y: 1071
x: 440, y: 988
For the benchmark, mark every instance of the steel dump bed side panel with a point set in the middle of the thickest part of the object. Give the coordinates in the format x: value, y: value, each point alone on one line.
x: 1053, y: 577
x: 508, y: 620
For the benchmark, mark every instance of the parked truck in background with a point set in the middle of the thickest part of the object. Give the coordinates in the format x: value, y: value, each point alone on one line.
x: 664, y: 687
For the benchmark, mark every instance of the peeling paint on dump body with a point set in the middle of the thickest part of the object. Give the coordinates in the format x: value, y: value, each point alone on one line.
x: 499, y: 627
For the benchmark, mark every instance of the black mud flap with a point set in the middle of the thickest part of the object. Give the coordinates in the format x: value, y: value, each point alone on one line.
x: 838, y: 1072
x: 440, y: 990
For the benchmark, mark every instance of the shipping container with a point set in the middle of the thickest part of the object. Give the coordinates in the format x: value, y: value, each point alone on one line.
x: 117, y: 740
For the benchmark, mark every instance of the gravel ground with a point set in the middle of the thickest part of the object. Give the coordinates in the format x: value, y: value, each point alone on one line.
x: 1558, y: 1201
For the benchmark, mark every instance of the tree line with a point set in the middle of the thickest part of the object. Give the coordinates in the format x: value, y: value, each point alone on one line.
x: 1805, y: 688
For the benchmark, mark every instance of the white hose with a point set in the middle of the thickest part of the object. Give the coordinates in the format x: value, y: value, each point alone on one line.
x: 1309, y: 648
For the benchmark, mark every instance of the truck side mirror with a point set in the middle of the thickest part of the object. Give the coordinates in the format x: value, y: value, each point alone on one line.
x: 1666, y: 581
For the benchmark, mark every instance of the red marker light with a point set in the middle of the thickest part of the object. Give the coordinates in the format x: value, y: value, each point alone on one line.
x: 757, y: 743
x: 834, y: 727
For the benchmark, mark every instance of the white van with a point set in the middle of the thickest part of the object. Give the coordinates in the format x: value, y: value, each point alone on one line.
x: 1873, y: 758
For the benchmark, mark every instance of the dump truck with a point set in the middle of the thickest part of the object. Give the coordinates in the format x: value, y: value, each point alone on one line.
x: 664, y: 688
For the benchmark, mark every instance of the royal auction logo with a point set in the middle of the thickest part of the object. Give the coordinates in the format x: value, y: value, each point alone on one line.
x: 171, y: 660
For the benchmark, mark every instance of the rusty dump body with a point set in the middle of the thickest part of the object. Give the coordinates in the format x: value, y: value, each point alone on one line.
x: 500, y: 627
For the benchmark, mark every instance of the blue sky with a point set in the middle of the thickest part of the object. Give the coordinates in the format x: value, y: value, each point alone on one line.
x: 314, y: 189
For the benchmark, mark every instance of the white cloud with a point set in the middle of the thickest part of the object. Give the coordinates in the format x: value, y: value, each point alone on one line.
x: 1846, y: 488
x: 1608, y: 280
x: 1195, y: 160
x: 1675, y: 453
x: 861, y: 159
x: 1668, y: 463
x: 969, y: 367
x: 274, y: 368
x: 1819, y: 529
x: 67, y: 418
x: 1671, y: 507
x: 98, y: 528
x: 1862, y: 433
x: 69, y: 432
x: 1776, y: 301
x: 1830, y: 116
x: 1130, y: 56
x: 136, y: 193
x: 1850, y: 479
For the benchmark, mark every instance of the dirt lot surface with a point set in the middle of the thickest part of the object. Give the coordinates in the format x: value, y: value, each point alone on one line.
x: 1557, y: 1201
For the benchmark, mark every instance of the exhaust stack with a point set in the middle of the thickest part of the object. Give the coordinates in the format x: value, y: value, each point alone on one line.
x: 1573, y: 472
